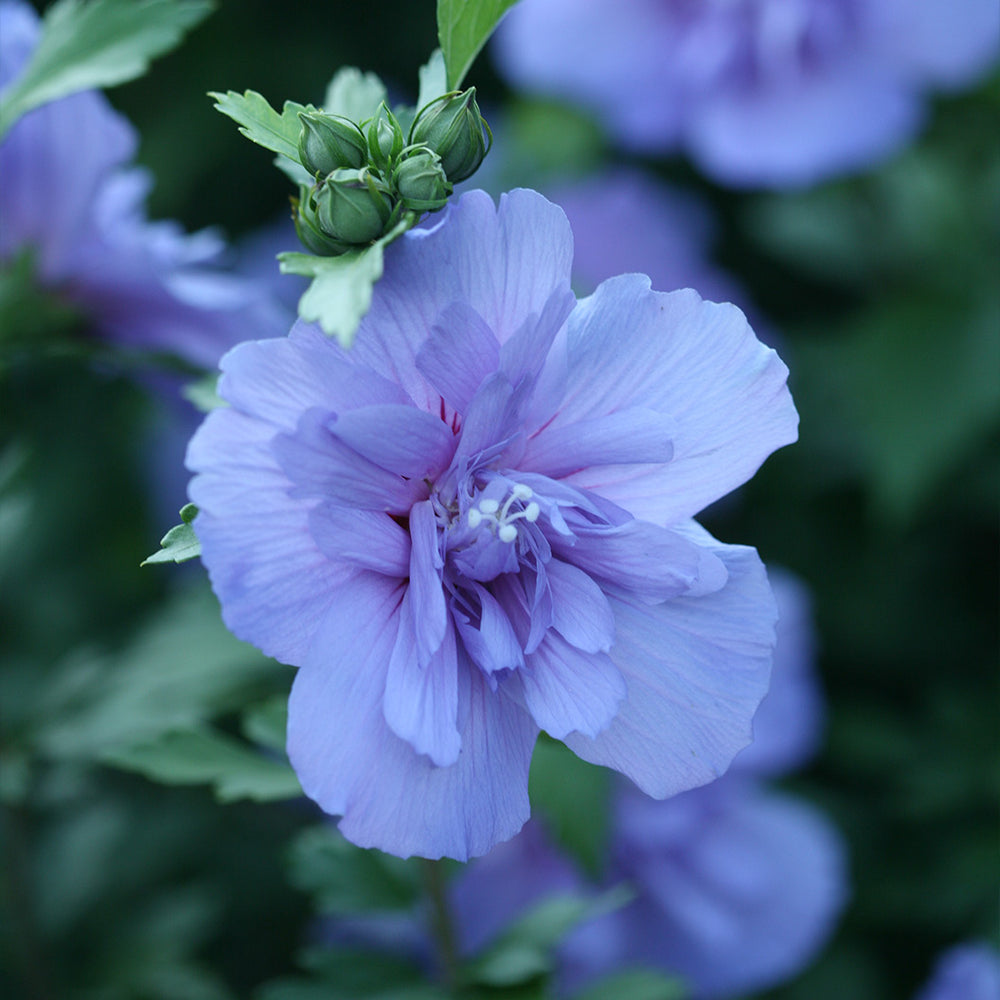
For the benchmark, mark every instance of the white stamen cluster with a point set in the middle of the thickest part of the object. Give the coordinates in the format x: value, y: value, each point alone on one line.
x: 490, y: 512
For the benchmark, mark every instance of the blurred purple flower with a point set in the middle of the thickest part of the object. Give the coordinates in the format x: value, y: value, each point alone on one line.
x: 67, y: 196
x: 767, y: 93
x: 966, y: 972
x: 477, y: 523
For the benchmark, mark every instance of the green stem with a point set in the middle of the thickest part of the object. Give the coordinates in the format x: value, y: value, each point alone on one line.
x: 441, y: 923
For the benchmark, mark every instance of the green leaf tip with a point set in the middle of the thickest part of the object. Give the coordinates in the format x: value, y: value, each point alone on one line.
x: 180, y: 543
x: 464, y: 27
x: 85, y: 46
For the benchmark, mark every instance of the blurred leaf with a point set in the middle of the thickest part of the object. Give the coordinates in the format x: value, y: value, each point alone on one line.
x: 97, y: 44
x: 524, y: 950
x: 261, y: 124
x: 180, y: 543
x: 203, y: 394
x: 433, y: 79
x: 563, y: 788
x: 463, y: 29
x: 28, y: 312
x: 198, y: 756
x: 354, y: 95
x: 636, y: 984
x: 348, y: 879
x: 184, y: 668
x: 267, y: 723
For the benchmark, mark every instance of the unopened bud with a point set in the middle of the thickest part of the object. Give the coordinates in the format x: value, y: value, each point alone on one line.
x: 329, y: 142
x: 385, y: 138
x: 351, y: 207
x: 453, y: 127
x: 307, y: 227
x: 419, y: 180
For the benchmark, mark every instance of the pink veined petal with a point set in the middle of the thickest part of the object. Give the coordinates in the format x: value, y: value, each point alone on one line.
x: 696, y: 670
x: 353, y: 765
x: 421, y: 701
x: 696, y: 361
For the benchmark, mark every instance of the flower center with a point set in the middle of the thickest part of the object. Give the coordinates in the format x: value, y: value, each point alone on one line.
x: 501, y: 519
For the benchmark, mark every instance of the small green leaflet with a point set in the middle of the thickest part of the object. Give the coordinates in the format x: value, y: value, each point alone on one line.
x: 180, y: 543
x: 353, y: 94
x: 98, y: 44
x: 463, y: 28
x: 260, y: 123
x: 341, y: 289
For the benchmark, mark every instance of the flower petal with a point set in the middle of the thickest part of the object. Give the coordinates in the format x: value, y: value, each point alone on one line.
x: 320, y: 465
x: 696, y: 361
x: 631, y: 435
x: 367, y: 539
x: 352, y: 764
x: 581, y: 613
x: 569, y: 691
x: 430, y: 612
x: 493, y: 646
x: 696, y: 669
x: 421, y: 700
x: 401, y: 439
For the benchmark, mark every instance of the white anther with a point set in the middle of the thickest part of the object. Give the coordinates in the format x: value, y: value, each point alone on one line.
x: 531, y: 512
x: 507, y: 533
x: 475, y: 518
x: 522, y: 492
x: 489, y: 506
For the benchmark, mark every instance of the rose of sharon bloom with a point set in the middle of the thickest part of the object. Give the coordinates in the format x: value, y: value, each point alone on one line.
x: 965, y: 972
x: 759, y: 92
x: 68, y: 198
x: 476, y: 523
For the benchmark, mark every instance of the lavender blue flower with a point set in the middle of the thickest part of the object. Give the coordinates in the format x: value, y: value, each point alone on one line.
x: 767, y: 93
x: 478, y: 523
x: 737, y: 886
x: 966, y: 972
x: 69, y: 198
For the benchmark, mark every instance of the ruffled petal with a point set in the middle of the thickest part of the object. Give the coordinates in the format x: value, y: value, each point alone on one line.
x: 696, y: 669
x: 402, y: 439
x: 430, y: 612
x: 567, y: 690
x: 696, y: 361
x: 352, y: 764
x: 503, y: 262
x: 366, y: 539
x: 318, y: 464
x: 581, y: 613
x: 493, y: 646
x: 421, y: 701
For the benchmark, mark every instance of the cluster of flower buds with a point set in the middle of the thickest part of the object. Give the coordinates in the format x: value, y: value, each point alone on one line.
x: 367, y: 176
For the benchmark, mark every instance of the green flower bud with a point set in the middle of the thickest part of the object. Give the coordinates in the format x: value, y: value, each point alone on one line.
x: 385, y: 138
x: 419, y: 180
x: 329, y: 142
x: 351, y: 207
x: 453, y: 127
x: 307, y: 227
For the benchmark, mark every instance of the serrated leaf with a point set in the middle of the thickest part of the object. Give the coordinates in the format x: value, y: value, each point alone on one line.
x: 463, y: 29
x: 180, y: 543
x: 200, y: 756
x: 261, y: 124
x: 353, y: 94
x: 84, y: 46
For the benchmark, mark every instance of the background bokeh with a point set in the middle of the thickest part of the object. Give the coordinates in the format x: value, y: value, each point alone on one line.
x: 882, y: 293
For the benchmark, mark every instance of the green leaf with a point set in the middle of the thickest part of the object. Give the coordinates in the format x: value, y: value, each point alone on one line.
x: 347, y: 879
x: 261, y: 124
x: 267, y: 723
x: 353, y: 94
x: 463, y: 28
x: 97, y: 44
x: 199, y: 756
x: 636, y: 984
x: 202, y: 393
x: 433, y: 78
x: 180, y: 543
